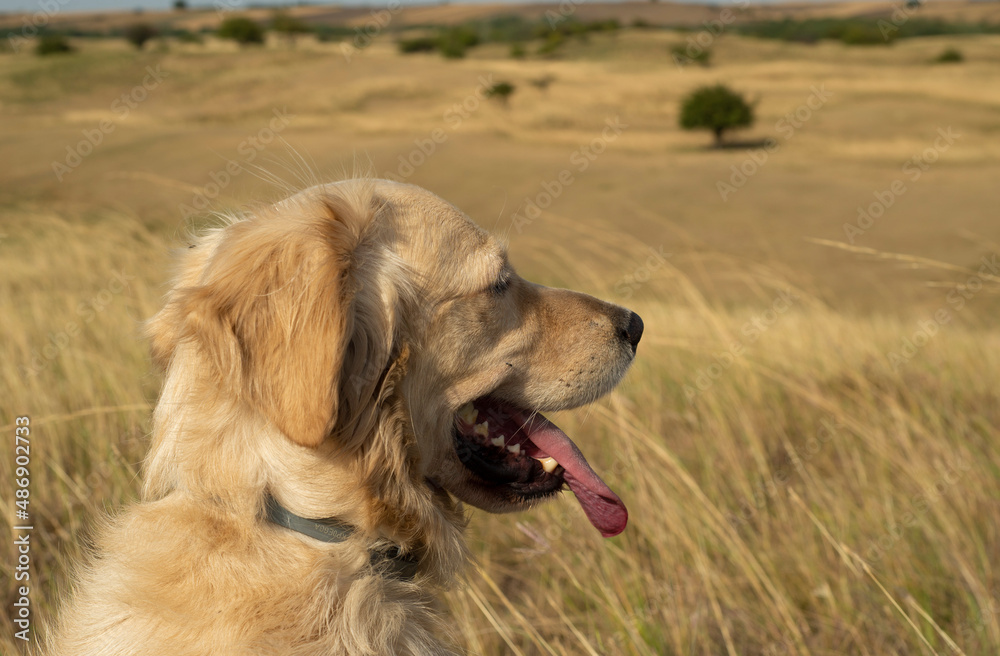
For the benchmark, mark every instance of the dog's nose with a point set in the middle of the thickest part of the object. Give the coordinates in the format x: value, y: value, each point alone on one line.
x: 632, y: 332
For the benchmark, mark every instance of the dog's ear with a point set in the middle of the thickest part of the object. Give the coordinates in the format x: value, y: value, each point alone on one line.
x: 270, y: 316
x: 274, y: 314
x: 164, y: 329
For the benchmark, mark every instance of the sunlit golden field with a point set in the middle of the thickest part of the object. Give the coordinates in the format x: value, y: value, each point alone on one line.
x: 807, y: 443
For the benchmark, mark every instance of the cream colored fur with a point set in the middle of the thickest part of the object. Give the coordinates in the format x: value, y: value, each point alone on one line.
x: 317, y: 350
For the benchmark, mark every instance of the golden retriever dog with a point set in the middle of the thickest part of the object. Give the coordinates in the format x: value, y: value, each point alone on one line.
x: 343, y: 370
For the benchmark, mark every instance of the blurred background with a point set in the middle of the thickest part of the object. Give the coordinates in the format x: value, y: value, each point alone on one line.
x: 799, y: 199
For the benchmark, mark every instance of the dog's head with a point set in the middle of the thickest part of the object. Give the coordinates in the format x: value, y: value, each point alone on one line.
x: 349, y: 303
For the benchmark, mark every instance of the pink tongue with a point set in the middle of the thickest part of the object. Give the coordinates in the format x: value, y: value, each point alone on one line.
x: 603, y: 507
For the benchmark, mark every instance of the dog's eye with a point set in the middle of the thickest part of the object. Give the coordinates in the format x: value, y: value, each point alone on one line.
x: 500, y: 287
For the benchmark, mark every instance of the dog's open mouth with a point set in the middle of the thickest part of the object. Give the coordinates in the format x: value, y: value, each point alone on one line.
x: 506, y: 446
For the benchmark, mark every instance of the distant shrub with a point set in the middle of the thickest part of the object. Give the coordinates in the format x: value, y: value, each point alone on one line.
x: 454, y: 41
x: 685, y: 56
x: 242, y: 30
x: 641, y: 24
x: 505, y: 29
x: 950, y: 56
x: 716, y: 108
x: 574, y: 27
x: 864, y: 35
x: 465, y: 35
x: 418, y: 44
x: 554, y: 37
x: 180, y: 5
x: 609, y: 25
x: 452, y: 49
x: 516, y: 31
x: 333, y: 32
x: 187, y: 36
x: 553, y: 42
x: 858, y: 30
x: 288, y: 25
x: 53, y: 44
x: 139, y: 33
x: 501, y: 92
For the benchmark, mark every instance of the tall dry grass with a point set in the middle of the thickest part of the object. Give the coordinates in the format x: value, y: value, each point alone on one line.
x: 73, y: 291
x: 800, y: 497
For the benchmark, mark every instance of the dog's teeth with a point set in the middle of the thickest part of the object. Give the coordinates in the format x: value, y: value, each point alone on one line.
x: 468, y: 414
x: 514, y: 448
x: 498, y: 441
x: 548, y: 464
x: 482, y: 429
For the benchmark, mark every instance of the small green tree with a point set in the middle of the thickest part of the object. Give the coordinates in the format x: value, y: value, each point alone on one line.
x: 53, y: 44
x: 242, y: 30
x: 451, y: 49
x: 501, y: 92
x: 553, y: 41
x: 454, y: 41
x: 180, y: 5
x: 139, y: 33
x: 715, y: 108
x: 418, y: 44
x: 686, y: 55
x: 864, y: 35
x: 950, y: 56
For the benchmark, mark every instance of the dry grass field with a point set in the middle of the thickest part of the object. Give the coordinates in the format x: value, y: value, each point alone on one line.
x: 808, y: 443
